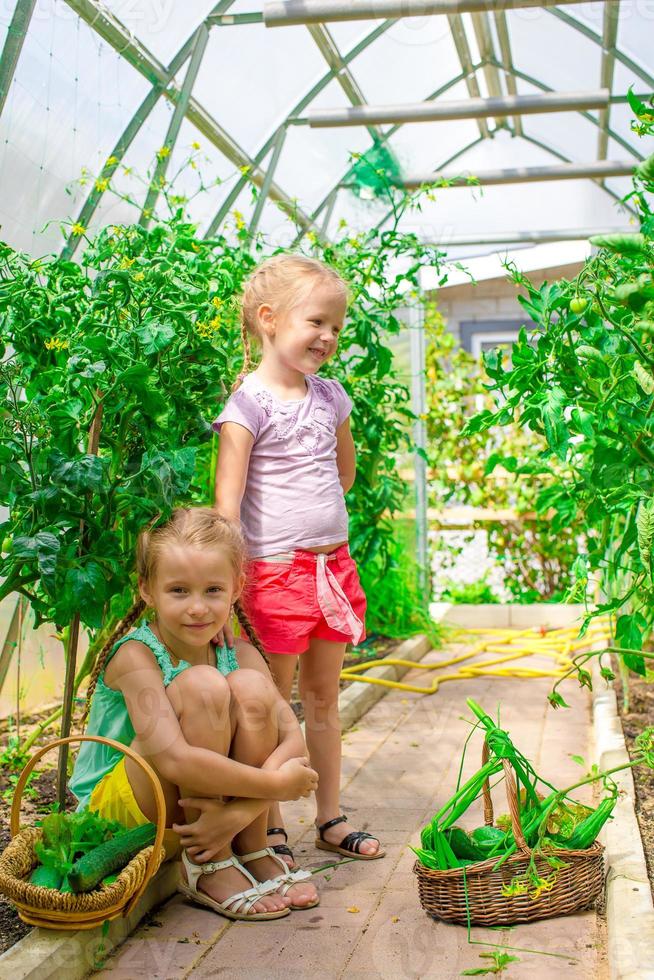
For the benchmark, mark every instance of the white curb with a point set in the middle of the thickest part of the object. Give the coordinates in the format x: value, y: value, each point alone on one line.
x: 629, y: 907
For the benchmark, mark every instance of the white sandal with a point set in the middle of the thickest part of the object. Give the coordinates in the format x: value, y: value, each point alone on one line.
x: 237, y: 906
x: 282, y: 881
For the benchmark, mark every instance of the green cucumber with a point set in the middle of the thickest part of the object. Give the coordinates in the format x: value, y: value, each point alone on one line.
x: 116, y: 853
x: 45, y: 877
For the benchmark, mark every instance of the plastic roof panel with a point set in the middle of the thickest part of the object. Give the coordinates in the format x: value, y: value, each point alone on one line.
x: 545, y: 61
x: 162, y: 25
x: 422, y: 60
x: 252, y: 102
x: 73, y: 95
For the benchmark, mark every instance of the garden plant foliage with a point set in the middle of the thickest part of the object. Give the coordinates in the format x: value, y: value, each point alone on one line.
x: 139, y: 343
x: 535, y: 555
x: 584, y: 381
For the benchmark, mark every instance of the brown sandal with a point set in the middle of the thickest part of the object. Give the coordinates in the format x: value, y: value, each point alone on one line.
x: 350, y: 844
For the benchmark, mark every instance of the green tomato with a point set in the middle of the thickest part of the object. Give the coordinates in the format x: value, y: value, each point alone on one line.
x: 578, y: 304
x: 6, y: 545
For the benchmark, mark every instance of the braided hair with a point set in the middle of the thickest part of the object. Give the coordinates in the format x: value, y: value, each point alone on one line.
x: 122, y: 627
x: 200, y: 527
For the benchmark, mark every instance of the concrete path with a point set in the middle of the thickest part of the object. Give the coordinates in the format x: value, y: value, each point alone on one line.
x: 400, y: 764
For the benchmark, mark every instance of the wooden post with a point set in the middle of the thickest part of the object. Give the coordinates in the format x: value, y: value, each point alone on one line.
x: 73, y: 638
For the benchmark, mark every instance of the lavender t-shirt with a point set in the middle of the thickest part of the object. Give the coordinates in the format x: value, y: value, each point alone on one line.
x: 293, y: 497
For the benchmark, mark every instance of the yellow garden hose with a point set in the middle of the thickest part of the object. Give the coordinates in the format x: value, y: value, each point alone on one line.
x: 559, y: 645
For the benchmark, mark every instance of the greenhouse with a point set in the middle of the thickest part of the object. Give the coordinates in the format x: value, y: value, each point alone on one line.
x: 347, y: 304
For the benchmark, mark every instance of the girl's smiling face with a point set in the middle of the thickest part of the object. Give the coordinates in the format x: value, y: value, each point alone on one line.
x: 306, y: 336
x: 192, y: 592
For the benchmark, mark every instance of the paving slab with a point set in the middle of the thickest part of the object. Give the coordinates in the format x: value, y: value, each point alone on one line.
x: 401, y: 763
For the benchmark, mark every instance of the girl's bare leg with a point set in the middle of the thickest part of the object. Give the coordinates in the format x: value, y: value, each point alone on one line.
x: 201, y: 699
x: 254, y: 698
x: 320, y: 669
x: 282, y: 668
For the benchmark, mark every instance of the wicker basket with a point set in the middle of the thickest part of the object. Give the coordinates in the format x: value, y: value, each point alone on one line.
x: 474, y: 893
x: 53, y: 909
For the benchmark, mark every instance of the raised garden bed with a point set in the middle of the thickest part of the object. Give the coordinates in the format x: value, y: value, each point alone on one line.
x: 639, y: 716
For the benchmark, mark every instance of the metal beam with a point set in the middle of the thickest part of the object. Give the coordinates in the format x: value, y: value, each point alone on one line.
x: 330, y: 198
x: 587, y: 115
x: 119, y: 37
x: 181, y: 108
x: 468, y: 109
x: 528, y: 237
x: 460, y: 39
x: 13, y: 45
x: 283, y: 14
x: 484, y: 40
x: 610, y: 36
x: 128, y: 136
x: 270, y: 172
x: 300, y: 106
x: 507, y: 62
x: 596, y: 170
x: 329, y: 50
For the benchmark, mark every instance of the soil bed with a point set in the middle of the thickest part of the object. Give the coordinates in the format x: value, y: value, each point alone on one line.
x: 639, y: 716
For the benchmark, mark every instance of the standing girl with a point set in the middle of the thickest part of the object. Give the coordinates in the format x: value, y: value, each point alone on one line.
x: 286, y: 460
x: 208, y: 720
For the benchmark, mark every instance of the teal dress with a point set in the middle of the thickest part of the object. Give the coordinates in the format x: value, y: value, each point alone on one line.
x: 109, y: 716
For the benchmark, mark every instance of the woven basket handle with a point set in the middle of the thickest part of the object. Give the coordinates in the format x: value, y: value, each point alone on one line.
x: 14, y: 825
x: 511, y: 797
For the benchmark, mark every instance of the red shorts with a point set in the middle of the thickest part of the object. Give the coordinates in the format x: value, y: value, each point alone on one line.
x: 282, y: 603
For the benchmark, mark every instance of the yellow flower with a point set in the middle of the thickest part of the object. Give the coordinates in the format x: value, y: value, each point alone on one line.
x: 194, y: 165
x: 139, y: 276
x: 123, y: 314
x: 127, y: 170
x: 195, y: 246
x: 78, y: 229
x: 111, y: 161
x: 126, y: 263
x: 195, y: 145
x: 245, y: 170
x: 238, y: 218
x: 217, y: 302
x: 163, y: 152
x: 56, y: 344
x: 101, y: 184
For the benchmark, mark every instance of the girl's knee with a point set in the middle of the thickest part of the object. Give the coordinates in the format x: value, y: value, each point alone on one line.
x: 197, y: 687
x: 246, y: 684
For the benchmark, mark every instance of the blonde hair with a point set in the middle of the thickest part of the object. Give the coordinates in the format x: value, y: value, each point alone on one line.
x: 198, y: 527
x: 280, y: 282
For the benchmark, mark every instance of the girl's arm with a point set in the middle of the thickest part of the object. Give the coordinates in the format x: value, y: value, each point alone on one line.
x: 205, y: 773
x: 291, y: 743
x: 232, y: 468
x: 346, y: 458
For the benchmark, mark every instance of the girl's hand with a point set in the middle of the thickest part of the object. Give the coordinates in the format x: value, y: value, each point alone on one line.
x: 297, y: 779
x: 213, y: 830
x: 225, y: 636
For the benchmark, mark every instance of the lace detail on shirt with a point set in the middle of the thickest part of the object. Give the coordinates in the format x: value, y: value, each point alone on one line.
x: 323, y: 389
x: 284, y: 417
x: 265, y: 400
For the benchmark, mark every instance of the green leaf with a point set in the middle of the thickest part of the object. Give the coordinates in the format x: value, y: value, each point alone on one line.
x: 86, y: 592
x: 556, y: 430
x: 87, y: 474
x: 155, y: 336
